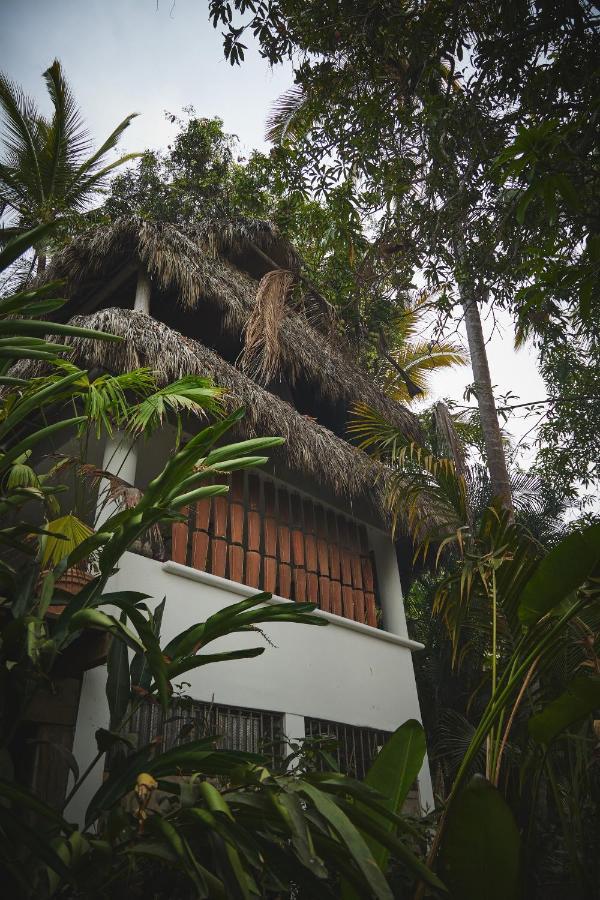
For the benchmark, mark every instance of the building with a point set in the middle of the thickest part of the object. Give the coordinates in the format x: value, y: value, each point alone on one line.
x: 310, y: 526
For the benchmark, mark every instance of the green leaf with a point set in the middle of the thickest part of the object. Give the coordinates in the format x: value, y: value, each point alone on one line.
x: 479, y: 854
x: 94, y: 618
x: 581, y: 698
x: 566, y: 567
x: 351, y: 837
x: 392, y: 773
x: 118, y: 687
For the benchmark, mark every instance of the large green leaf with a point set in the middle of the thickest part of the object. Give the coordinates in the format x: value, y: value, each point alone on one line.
x: 351, y: 837
x: 479, y: 854
x: 581, y: 697
x: 392, y: 773
x: 566, y: 567
x: 118, y: 686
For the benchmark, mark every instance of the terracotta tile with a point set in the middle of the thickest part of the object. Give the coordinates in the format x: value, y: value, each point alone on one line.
x: 310, y: 548
x: 297, y: 547
x: 269, y: 574
x: 323, y: 556
x: 283, y: 543
x: 270, y: 537
x: 299, y: 585
x: 236, y: 523
x: 218, y: 557
x: 312, y: 587
x: 203, y: 514
x: 348, y: 601
x: 179, y: 542
x: 371, y: 610
x: 356, y: 571
x: 367, y: 573
x: 220, y: 507
x: 285, y: 581
x: 200, y: 541
x: 335, y: 597
x: 254, y: 527
x: 253, y: 561
x: 324, y: 585
x: 236, y: 563
x: 359, y: 606
x: 334, y: 562
x: 346, y: 567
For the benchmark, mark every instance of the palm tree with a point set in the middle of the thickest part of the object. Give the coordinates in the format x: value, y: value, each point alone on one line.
x: 412, y: 360
x: 49, y: 169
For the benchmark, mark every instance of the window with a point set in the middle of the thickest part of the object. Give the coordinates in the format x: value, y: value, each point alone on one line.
x: 355, y: 747
x: 237, y: 728
x: 270, y: 537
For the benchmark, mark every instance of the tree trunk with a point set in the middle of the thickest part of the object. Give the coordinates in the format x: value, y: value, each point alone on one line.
x: 494, y: 449
x: 41, y: 262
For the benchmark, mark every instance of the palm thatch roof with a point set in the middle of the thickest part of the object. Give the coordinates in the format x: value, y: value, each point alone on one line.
x: 221, y: 263
x: 310, y: 448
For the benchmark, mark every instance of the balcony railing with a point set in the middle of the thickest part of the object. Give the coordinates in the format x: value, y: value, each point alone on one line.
x: 272, y: 538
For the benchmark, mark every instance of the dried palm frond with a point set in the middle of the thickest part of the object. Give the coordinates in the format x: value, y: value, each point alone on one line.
x: 261, y: 357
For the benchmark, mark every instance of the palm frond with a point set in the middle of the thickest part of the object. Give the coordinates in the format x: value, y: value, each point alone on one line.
x: 190, y: 394
x: 89, y: 165
x: 20, y: 125
x: 283, y: 117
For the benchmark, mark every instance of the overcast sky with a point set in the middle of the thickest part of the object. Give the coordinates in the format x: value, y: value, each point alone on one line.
x: 145, y: 56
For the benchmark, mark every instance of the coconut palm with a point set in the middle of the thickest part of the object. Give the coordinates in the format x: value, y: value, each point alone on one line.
x: 49, y: 169
x: 409, y: 355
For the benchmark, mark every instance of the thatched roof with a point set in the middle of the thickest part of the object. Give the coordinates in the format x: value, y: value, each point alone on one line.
x: 310, y: 448
x: 221, y: 263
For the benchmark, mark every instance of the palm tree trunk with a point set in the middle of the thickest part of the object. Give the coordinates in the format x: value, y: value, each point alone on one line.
x: 494, y: 448
x: 41, y: 262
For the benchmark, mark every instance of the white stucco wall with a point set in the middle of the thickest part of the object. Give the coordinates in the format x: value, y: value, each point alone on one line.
x: 346, y: 672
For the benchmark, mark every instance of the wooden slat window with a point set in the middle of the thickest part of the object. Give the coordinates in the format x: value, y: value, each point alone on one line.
x: 273, y: 538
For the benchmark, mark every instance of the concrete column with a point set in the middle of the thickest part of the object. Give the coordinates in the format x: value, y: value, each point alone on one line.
x: 143, y: 291
x: 120, y: 458
x: 388, y: 580
x: 293, y: 728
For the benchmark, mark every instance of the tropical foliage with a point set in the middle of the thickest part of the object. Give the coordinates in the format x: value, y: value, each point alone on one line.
x: 49, y: 170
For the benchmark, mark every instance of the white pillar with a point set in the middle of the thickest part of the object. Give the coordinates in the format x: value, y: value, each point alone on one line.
x: 388, y: 581
x: 120, y: 458
x: 143, y: 291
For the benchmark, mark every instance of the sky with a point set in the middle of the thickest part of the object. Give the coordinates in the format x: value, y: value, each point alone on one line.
x: 152, y: 56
